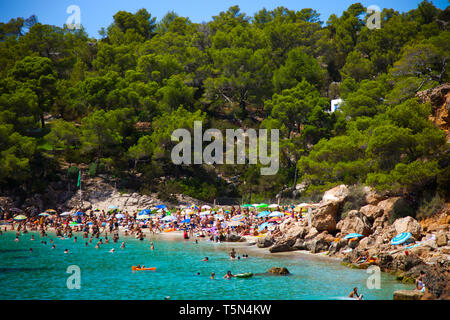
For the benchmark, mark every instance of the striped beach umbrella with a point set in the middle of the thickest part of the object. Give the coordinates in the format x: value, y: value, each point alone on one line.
x: 238, y: 218
x: 401, y: 238
x: 274, y: 219
x: 50, y: 210
x: 44, y: 214
x: 235, y: 223
x: 20, y: 217
x: 353, y: 235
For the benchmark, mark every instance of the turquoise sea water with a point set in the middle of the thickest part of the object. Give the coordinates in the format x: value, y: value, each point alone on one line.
x: 41, y: 274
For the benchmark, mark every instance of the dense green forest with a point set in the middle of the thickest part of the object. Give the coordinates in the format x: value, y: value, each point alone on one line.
x: 112, y: 103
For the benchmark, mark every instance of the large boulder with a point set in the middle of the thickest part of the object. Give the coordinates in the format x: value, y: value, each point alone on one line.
x: 317, y: 245
x: 371, y: 196
x: 354, y: 222
x: 441, y: 238
x: 408, y: 295
x: 264, y: 242
x: 278, y: 271
x: 371, y: 211
x: 389, y: 205
x: 324, y: 217
x: 336, y: 194
x: 295, y: 231
x: 408, y: 224
x: 282, y: 246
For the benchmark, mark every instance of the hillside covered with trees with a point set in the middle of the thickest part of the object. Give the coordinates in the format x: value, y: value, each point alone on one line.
x: 111, y: 104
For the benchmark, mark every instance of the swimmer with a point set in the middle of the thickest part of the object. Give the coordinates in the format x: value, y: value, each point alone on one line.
x: 355, y: 295
x: 54, y: 246
x: 205, y: 259
x: 16, y: 239
x: 66, y: 251
x: 212, y: 275
x: 152, y: 247
x: 31, y: 249
x: 112, y: 250
x: 122, y: 245
x: 32, y: 238
x: 228, y: 275
x: 74, y: 239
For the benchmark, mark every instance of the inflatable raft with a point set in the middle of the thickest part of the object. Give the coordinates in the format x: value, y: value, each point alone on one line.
x: 134, y: 268
x: 244, y: 275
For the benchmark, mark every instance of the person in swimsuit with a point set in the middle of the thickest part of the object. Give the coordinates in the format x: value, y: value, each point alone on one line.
x: 355, y: 295
x: 420, y: 285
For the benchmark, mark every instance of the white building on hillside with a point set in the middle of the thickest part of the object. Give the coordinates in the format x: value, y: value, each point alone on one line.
x: 336, y: 104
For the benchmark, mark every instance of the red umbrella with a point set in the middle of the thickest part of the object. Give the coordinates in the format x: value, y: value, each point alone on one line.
x: 274, y: 219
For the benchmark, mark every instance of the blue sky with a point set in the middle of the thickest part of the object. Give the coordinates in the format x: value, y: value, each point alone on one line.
x: 98, y: 13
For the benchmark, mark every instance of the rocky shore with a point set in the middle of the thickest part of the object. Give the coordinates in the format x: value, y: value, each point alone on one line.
x: 375, y: 221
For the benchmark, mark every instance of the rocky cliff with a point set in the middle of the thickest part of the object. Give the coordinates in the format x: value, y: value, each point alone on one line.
x: 439, y: 98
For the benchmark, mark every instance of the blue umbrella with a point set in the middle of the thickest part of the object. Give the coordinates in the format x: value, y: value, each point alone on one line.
x: 401, y: 238
x: 185, y: 221
x: 276, y: 214
x: 161, y: 206
x: 263, y: 214
x: 145, y: 211
x: 353, y: 235
x: 78, y: 213
x: 262, y: 226
x: 113, y: 207
x: 120, y: 216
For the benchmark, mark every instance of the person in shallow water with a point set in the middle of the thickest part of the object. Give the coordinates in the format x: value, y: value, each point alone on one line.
x: 205, y: 259
x: 212, y: 275
x: 66, y: 251
x: 228, y: 275
x: 233, y: 254
x: 355, y: 295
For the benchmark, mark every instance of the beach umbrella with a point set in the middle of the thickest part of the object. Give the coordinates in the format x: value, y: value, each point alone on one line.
x: 238, y: 218
x: 20, y: 217
x: 145, y: 211
x: 274, y: 219
x: 276, y: 214
x: 78, y: 213
x: 263, y: 214
x: 50, y: 210
x: 120, y: 216
x: 168, y: 218
x: 185, y: 221
x: 246, y: 205
x: 143, y: 217
x: 44, y: 214
x: 262, y: 226
x: 205, y: 213
x: 219, y: 217
x: 401, y: 238
x: 67, y: 213
x: 206, y: 207
x: 273, y: 205
x: 113, y: 207
x: 353, y: 235
x: 193, y: 207
x: 262, y: 205
x: 160, y: 206
x: 235, y: 223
